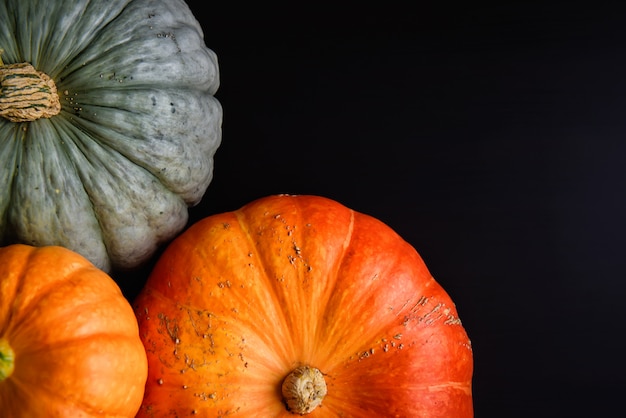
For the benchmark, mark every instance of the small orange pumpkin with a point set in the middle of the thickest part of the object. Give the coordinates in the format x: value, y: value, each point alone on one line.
x: 295, y: 305
x: 69, y: 343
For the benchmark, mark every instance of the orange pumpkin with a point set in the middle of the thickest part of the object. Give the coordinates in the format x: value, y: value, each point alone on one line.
x: 69, y: 342
x: 294, y: 305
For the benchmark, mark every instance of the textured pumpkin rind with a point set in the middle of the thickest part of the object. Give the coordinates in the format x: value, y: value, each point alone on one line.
x: 242, y: 298
x: 112, y: 175
x: 74, y: 335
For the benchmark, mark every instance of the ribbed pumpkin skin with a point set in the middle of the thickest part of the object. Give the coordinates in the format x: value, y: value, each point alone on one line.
x: 242, y: 298
x: 74, y: 335
x: 112, y: 175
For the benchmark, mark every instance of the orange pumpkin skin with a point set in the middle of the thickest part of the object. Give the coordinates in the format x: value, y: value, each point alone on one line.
x: 242, y: 298
x: 74, y: 336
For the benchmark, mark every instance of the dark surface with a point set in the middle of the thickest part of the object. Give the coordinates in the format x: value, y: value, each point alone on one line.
x: 490, y: 138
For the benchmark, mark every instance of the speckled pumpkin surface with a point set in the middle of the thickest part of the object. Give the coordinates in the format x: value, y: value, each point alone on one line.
x: 297, y: 304
x: 108, y: 124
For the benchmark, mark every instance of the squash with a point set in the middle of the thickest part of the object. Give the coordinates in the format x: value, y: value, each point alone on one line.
x: 69, y: 343
x: 108, y: 125
x: 295, y: 305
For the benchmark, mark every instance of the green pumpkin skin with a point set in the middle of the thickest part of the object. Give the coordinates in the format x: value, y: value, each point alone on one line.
x: 112, y: 175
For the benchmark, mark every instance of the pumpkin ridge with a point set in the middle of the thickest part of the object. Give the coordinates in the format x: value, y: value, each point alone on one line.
x: 53, y: 170
x: 336, y: 273
x: 14, y: 388
x: 18, y: 311
x: 298, y: 233
x: 289, y: 234
x: 67, y: 316
x: 153, y: 151
x: 71, y: 341
x: 358, y: 346
x: 269, y: 284
x: 7, y: 321
x: 66, y: 132
x: 171, y: 206
x: 19, y: 322
x: 10, y: 153
x: 22, y: 387
x: 64, y: 392
x: 79, y: 21
x: 71, y: 145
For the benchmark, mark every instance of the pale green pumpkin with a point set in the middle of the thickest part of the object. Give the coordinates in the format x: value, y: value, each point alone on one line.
x: 110, y: 173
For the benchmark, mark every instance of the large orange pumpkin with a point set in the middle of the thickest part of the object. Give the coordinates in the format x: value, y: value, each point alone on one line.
x: 300, y: 284
x: 69, y: 343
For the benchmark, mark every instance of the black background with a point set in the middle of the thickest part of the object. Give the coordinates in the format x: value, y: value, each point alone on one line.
x: 492, y: 138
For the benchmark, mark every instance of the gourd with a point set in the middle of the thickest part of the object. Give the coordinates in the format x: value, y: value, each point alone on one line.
x: 296, y: 305
x: 69, y: 342
x: 108, y: 125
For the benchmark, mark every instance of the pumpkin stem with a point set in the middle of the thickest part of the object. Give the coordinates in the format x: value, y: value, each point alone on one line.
x: 303, y: 389
x: 26, y: 94
x: 7, y: 359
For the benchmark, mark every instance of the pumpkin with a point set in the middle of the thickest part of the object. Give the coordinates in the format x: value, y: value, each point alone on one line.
x: 108, y: 125
x: 296, y: 305
x: 69, y: 342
